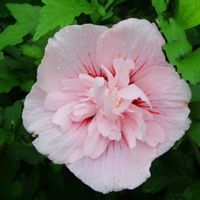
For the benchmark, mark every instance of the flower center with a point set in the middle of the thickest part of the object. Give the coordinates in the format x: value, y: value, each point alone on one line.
x: 108, y: 98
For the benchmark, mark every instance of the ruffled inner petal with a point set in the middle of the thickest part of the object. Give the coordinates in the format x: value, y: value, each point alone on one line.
x: 95, y: 144
x: 109, y: 128
x: 83, y: 111
x: 154, y: 134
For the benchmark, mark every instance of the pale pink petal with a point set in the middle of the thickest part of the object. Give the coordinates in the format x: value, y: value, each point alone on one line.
x: 129, y: 129
x: 99, y: 90
x: 109, y: 128
x: 118, y: 168
x: 86, y: 80
x: 154, y: 134
x: 36, y: 118
x: 134, y: 39
x: 162, y: 85
x: 65, y: 148
x: 109, y: 75
x: 69, y: 53
x: 133, y: 127
x: 169, y: 96
x: 136, y: 109
x: 55, y: 100
x: 72, y: 85
x: 132, y: 92
x: 95, y: 144
x: 122, y: 70
x: 62, y: 116
x: 109, y: 107
x: 174, y: 122
x: 83, y: 111
x: 123, y: 106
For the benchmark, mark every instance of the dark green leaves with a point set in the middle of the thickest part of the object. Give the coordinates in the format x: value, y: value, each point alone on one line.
x: 59, y: 13
x: 7, y: 80
x: 192, y: 192
x: 26, y: 153
x: 171, y: 175
x: 195, y: 93
x: 178, y: 48
x: 12, y: 115
x: 3, y: 137
x: 195, y: 132
x: 26, y: 20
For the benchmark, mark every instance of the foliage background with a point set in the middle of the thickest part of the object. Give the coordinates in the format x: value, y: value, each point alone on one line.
x: 25, y: 26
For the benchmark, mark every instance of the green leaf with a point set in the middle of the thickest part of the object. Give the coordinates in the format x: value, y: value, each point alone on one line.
x: 12, y: 115
x: 189, y: 67
x: 192, y: 192
x: 101, y: 10
x: 32, y: 51
x: 3, y: 136
x: 56, y: 167
x: 188, y: 13
x: 27, y: 19
x: 14, y: 190
x: 164, y: 178
x: 194, y: 132
x: 160, y: 5
x: 8, y: 170
x: 26, y: 86
x: 195, y: 110
x: 156, y: 183
x: 178, y: 50
x: 195, y: 93
x: 7, y: 79
x: 1, y: 111
x: 59, y: 13
x: 1, y: 55
x: 109, y: 3
x: 32, y: 184
x: 26, y: 153
x: 177, y: 44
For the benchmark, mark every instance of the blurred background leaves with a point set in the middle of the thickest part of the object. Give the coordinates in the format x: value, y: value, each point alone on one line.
x: 25, y: 26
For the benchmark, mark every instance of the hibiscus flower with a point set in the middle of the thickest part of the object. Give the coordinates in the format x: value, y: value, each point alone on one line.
x: 106, y: 103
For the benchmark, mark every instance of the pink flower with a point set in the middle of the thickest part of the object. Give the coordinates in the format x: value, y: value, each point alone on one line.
x: 106, y: 103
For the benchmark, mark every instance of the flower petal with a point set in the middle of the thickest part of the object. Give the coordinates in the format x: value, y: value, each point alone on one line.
x: 132, y: 39
x: 174, y: 122
x: 36, y: 118
x: 109, y: 128
x: 163, y: 85
x: 169, y: 96
x: 70, y: 52
x: 94, y: 144
x: 116, y: 169
x: 132, y: 92
x: 83, y: 111
x: 55, y: 100
x: 133, y: 127
x: 122, y: 70
x: 65, y: 148
x: 62, y: 116
x: 154, y: 134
